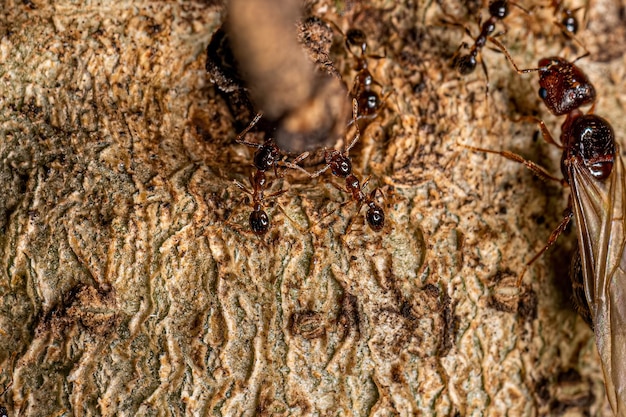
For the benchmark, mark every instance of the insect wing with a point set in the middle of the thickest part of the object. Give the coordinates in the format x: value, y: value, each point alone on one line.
x: 599, y: 209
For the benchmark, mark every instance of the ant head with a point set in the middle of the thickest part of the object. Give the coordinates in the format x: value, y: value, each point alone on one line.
x: 592, y: 139
x: 266, y: 156
x: 259, y: 221
x: 356, y: 37
x: 499, y: 9
x: 375, y: 217
x: 340, y: 164
x: 563, y: 86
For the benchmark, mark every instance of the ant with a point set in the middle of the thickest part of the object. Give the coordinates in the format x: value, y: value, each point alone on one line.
x: 466, y: 63
x: 340, y: 166
x: 564, y: 88
x: 259, y: 221
x: 568, y: 23
x: 369, y: 101
x: 592, y: 166
x: 266, y: 157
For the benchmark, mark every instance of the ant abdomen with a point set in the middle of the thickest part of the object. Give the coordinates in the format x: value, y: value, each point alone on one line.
x: 499, y: 9
x: 465, y: 64
x: 375, y: 217
x: 259, y: 221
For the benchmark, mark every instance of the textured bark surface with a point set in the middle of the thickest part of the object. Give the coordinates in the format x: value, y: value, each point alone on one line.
x: 130, y: 284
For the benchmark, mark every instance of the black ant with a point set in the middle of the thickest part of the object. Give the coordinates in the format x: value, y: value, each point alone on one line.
x: 368, y: 99
x: 266, y: 157
x: 259, y: 221
x: 340, y: 166
x: 466, y: 63
x: 568, y: 22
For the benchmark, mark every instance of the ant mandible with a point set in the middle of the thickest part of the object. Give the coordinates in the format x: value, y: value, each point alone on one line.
x: 340, y: 166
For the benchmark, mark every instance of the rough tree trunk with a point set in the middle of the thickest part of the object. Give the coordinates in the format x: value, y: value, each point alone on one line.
x: 130, y: 284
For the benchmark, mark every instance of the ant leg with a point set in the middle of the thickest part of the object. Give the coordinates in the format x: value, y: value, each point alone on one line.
x: 351, y: 222
x: 310, y: 174
x: 292, y: 221
x: 247, y: 129
x: 553, y: 237
x: 294, y: 164
x: 547, y: 136
x: 510, y: 58
x: 536, y: 169
x: 345, y: 203
x: 243, y: 187
x: 357, y: 135
x: 482, y: 64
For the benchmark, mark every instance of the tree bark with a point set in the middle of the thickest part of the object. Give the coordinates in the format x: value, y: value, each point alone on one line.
x: 131, y: 284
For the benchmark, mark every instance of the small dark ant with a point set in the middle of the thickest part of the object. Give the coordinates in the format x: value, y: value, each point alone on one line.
x: 266, y: 157
x: 368, y: 99
x: 569, y: 22
x: 466, y: 63
x: 340, y: 166
x: 259, y: 221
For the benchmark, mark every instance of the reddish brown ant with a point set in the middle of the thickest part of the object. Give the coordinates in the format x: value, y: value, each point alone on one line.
x: 259, y: 221
x: 369, y: 101
x: 340, y: 166
x: 591, y: 165
x: 266, y: 157
x: 564, y: 88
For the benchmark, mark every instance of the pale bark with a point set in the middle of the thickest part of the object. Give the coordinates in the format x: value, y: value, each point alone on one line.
x: 130, y: 284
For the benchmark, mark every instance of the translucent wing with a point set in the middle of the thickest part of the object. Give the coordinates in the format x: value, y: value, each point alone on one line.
x: 599, y: 210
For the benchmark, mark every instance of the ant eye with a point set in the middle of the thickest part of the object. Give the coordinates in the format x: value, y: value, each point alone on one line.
x: 543, y: 93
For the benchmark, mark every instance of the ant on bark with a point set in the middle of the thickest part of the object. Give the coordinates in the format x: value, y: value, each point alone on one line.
x: 592, y: 166
x: 266, y: 157
x: 340, y: 166
x: 569, y: 22
x: 564, y: 88
x: 466, y: 63
x: 368, y: 99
